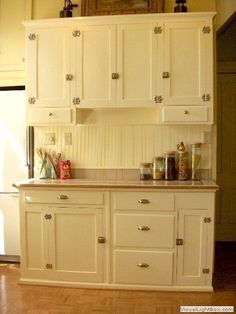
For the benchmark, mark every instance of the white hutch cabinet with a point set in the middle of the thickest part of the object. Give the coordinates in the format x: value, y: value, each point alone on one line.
x: 162, y: 61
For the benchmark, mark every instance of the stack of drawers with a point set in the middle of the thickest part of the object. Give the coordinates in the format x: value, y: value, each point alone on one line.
x: 143, y: 237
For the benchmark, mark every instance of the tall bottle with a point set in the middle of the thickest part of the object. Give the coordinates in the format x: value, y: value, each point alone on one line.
x: 196, y: 161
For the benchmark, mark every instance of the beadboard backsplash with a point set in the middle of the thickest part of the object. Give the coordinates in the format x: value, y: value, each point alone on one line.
x: 120, y: 147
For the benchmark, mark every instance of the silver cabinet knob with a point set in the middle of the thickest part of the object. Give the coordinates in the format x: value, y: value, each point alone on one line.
x: 143, y: 228
x: 143, y: 265
x: 144, y: 201
x: 62, y: 197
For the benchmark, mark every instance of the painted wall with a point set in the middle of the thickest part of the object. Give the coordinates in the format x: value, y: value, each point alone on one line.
x: 224, y: 8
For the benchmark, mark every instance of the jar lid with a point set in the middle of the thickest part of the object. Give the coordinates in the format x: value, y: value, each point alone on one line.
x: 169, y: 153
x: 157, y: 158
x: 196, y: 145
x: 145, y: 164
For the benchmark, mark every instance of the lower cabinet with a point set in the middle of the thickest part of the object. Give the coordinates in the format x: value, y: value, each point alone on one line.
x: 62, y: 244
x: 118, y: 238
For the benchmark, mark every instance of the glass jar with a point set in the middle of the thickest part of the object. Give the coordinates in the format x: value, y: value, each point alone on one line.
x: 183, y: 171
x: 169, y: 158
x: 158, y: 168
x: 196, y: 161
x: 145, y: 171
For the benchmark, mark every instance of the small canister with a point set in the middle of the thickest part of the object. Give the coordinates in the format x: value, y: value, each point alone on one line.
x: 169, y: 158
x: 158, y: 168
x: 145, y: 171
x: 65, y: 169
x: 196, y: 161
x: 183, y: 164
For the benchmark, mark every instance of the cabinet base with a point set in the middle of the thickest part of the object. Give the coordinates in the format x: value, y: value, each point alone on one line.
x: 114, y: 286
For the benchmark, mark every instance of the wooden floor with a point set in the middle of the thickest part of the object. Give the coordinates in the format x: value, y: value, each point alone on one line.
x: 22, y: 299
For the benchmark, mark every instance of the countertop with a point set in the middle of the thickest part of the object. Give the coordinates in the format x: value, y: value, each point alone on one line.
x: 88, y: 183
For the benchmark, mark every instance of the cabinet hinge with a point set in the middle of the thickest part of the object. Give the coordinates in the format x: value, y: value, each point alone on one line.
x: 48, y: 216
x: 31, y: 100
x: 206, y: 271
x: 76, y: 33
x: 49, y: 266
x: 157, y: 30
x: 206, y: 97
x: 32, y: 36
x: 206, y: 29
x: 179, y: 242
x: 76, y: 101
x: 207, y: 219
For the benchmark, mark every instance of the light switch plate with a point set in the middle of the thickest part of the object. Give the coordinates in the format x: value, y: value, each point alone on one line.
x: 68, y: 138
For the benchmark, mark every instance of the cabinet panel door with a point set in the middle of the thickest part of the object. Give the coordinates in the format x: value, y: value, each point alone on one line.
x: 48, y: 63
x: 185, y: 59
x: 34, y: 242
x: 136, y: 64
x: 76, y: 254
x: 192, y: 255
x: 94, y: 60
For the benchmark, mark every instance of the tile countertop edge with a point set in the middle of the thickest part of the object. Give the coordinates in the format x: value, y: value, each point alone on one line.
x: 83, y: 183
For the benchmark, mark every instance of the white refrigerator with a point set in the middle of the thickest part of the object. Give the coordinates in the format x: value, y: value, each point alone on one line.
x: 13, y: 168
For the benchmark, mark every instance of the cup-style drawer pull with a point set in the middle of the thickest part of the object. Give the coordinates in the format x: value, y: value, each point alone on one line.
x: 144, y: 201
x: 63, y: 197
x: 143, y: 228
x: 143, y: 265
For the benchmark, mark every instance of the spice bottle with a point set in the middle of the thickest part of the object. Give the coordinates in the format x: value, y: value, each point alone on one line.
x: 183, y: 171
x: 196, y: 161
x: 158, y: 168
x: 145, y: 171
x: 169, y: 158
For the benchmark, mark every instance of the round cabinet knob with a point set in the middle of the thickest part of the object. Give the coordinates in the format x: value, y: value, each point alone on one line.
x: 50, y: 114
x: 186, y: 112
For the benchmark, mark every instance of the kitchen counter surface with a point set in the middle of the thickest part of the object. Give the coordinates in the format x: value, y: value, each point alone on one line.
x: 85, y: 183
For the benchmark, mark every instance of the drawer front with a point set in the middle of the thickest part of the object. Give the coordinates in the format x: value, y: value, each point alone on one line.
x: 185, y: 114
x: 147, y: 268
x: 143, y: 201
x: 64, y: 197
x: 50, y: 116
x: 144, y: 231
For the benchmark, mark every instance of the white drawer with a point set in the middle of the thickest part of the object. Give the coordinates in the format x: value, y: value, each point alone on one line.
x: 128, y: 267
x: 143, y: 201
x: 64, y: 197
x: 50, y: 116
x: 144, y: 231
x: 185, y: 114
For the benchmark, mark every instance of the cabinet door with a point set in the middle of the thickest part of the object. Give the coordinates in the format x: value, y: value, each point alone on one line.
x: 185, y: 63
x: 137, y: 64
x: 34, y: 237
x: 75, y: 253
x: 192, y: 254
x: 48, y: 67
x: 94, y: 60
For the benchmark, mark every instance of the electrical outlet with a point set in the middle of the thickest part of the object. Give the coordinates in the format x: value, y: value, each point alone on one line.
x: 50, y: 139
x: 68, y: 138
x: 207, y: 137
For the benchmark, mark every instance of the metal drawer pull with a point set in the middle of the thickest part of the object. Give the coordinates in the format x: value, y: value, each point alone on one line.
x: 143, y: 265
x: 63, y: 197
x: 144, y: 201
x: 143, y: 228
x: 115, y: 76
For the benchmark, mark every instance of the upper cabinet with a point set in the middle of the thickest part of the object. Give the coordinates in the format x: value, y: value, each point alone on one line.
x: 187, y: 71
x: 115, y: 65
x: 12, y: 41
x: 162, y: 61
